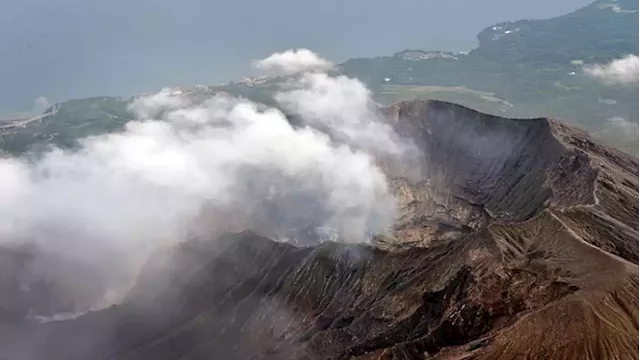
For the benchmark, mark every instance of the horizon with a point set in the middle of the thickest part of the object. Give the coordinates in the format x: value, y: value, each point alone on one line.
x: 93, y: 38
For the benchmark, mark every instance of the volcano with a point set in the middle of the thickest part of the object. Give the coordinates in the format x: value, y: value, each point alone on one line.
x: 516, y: 239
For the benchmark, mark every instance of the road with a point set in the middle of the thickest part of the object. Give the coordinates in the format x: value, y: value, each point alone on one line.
x: 16, y: 123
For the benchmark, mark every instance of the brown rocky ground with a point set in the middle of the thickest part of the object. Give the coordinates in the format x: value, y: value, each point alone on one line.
x: 517, y: 240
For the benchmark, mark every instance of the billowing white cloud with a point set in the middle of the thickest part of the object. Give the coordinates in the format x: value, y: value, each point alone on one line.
x: 291, y: 62
x: 152, y: 105
x: 342, y: 107
x: 620, y: 71
x: 626, y: 126
x: 619, y: 132
x: 41, y: 103
x: 186, y: 168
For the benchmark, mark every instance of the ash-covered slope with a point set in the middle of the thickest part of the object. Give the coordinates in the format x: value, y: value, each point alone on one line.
x: 517, y: 239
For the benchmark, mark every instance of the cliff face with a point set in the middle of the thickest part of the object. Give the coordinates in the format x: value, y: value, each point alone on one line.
x: 517, y: 239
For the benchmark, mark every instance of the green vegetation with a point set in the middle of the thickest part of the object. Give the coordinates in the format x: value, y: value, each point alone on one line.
x: 595, y: 33
x: 528, y: 68
x: 74, y: 119
x: 535, y: 65
x: 482, y: 101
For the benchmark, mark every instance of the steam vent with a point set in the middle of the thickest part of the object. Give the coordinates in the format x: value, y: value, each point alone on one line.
x: 515, y: 239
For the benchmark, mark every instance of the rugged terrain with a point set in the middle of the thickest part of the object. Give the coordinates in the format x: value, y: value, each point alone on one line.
x: 517, y: 240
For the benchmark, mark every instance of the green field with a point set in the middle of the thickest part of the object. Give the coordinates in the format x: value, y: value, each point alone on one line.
x: 483, y: 101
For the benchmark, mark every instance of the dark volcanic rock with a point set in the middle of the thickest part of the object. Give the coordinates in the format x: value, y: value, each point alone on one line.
x: 518, y: 240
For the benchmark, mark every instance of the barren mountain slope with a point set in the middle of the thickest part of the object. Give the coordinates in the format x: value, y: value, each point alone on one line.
x: 517, y: 239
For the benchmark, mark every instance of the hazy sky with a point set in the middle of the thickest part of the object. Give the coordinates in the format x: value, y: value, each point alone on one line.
x: 73, y: 48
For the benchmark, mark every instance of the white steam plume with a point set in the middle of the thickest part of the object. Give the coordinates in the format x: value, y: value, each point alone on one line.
x: 343, y: 107
x: 41, y: 103
x: 622, y: 71
x: 291, y: 62
x: 222, y: 164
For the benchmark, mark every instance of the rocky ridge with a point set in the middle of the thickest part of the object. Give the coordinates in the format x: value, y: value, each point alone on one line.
x: 516, y: 239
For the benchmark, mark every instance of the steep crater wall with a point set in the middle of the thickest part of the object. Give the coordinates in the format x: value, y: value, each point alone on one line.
x: 520, y: 222
x: 513, y: 168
